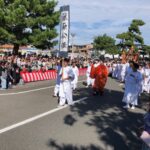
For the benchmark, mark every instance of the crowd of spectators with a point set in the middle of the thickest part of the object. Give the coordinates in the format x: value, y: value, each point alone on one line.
x: 11, y: 66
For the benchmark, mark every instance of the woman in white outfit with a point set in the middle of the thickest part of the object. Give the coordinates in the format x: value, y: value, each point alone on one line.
x: 123, y: 72
x: 147, y: 78
x: 56, y: 89
x: 65, y: 88
x: 114, y: 65
x: 141, y: 70
x: 132, y: 83
x: 76, y: 73
x: 118, y: 70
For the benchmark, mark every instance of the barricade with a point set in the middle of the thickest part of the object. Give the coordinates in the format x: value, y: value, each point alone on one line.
x: 82, y: 71
x: 47, y: 75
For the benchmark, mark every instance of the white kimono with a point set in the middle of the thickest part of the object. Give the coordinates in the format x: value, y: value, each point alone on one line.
x: 56, y: 89
x: 132, y: 82
x: 65, y: 89
x: 128, y: 70
x: 114, y: 74
x: 89, y: 80
x: 75, y: 81
x: 118, y: 71
x: 142, y: 81
x: 123, y: 72
x: 147, y: 80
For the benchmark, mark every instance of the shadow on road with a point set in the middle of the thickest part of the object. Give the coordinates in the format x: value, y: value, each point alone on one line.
x: 115, y: 126
x: 55, y: 145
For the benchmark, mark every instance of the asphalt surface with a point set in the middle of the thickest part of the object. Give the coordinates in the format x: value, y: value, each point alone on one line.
x: 30, y: 119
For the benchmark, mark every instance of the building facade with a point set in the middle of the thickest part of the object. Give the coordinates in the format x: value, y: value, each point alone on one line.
x: 80, y: 50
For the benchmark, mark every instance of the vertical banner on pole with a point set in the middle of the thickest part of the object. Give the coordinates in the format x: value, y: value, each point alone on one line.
x: 64, y: 30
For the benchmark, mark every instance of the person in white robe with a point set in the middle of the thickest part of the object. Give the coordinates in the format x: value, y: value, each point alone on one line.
x: 147, y: 78
x: 131, y: 92
x: 118, y: 70
x: 141, y: 70
x: 56, y: 89
x: 129, y: 66
x: 143, y: 73
x: 89, y: 79
x: 123, y: 72
x: 65, y: 89
x: 114, y: 73
x: 76, y: 73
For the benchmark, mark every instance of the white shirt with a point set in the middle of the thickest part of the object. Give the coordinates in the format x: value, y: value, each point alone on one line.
x: 75, y: 71
x: 66, y: 72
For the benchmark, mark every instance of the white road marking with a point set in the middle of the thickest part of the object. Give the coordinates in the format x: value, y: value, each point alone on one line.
x: 29, y: 91
x: 37, y: 117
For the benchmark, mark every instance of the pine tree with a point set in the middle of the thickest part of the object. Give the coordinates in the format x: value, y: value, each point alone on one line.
x: 106, y: 43
x: 133, y: 35
x: 24, y: 22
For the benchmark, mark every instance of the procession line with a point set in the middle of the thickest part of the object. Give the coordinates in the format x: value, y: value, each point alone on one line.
x: 37, y: 117
x: 29, y: 91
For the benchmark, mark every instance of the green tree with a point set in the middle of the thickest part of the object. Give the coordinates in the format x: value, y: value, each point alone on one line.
x: 103, y: 42
x: 133, y: 35
x: 106, y: 43
x: 113, y: 50
x: 146, y: 49
x: 25, y: 22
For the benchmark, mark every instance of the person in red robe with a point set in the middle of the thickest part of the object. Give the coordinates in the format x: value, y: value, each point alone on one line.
x: 100, y: 75
x: 93, y: 70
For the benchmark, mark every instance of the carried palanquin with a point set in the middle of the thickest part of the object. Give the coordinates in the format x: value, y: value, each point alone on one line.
x: 130, y: 55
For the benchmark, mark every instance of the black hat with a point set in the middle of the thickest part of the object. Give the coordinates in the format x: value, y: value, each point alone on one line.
x: 96, y: 59
x: 66, y: 60
x: 102, y: 58
x: 136, y: 65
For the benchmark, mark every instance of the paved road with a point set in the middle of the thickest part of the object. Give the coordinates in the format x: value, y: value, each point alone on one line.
x: 29, y: 120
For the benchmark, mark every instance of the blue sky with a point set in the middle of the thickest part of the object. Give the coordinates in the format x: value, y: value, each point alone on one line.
x: 90, y: 18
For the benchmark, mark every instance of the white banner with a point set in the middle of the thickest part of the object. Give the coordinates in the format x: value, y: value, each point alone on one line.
x: 64, y: 28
